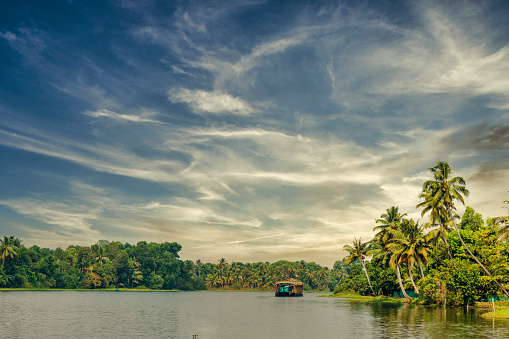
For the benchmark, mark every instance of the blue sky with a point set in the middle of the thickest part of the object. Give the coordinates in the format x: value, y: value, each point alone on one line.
x: 249, y: 130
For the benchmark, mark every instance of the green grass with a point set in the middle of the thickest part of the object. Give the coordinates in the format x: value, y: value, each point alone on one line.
x: 347, y: 295
x: 498, y: 314
x: 501, y: 309
x: 364, y: 298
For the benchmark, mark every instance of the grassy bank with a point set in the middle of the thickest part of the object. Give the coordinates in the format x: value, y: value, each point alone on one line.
x: 240, y: 290
x: 364, y: 298
x: 347, y: 295
x: 501, y: 309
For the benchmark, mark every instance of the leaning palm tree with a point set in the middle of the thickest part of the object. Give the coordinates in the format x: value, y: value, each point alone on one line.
x: 9, y: 248
x: 397, y: 259
x: 440, y: 195
x: 357, y: 252
x: 409, y: 245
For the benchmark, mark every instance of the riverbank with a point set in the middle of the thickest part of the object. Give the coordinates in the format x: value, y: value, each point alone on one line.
x: 87, y: 290
x: 365, y: 298
x: 501, y: 309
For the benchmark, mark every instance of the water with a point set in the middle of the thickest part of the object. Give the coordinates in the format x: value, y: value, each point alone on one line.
x: 58, y: 314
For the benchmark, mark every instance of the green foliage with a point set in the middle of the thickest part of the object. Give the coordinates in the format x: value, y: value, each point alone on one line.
x: 458, y: 281
x: 155, y: 281
x: 263, y: 275
x: 463, y: 280
x: 102, y: 265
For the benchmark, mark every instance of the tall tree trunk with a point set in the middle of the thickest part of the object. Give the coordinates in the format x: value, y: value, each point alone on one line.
x: 400, y: 282
x: 442, y: 227
x: 420, y: 268
x: 367, y: 276
x: 473, y: 256
x: 409, y: 269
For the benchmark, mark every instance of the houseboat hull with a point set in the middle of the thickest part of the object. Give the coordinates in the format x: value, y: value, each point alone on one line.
x: 287, y: 294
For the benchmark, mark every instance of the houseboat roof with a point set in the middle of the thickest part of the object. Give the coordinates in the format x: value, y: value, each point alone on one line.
x: 290, y: 281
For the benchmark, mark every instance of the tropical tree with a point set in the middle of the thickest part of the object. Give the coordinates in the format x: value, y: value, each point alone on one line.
x: 357, y: 252
x: 100, y: 258
x: 440, y: 194
x: 437, y: 217
x: 396, y: 260
x: 389, y: 222
x: 409, y: 245
x: 9, y: 248
x: 503, y: 223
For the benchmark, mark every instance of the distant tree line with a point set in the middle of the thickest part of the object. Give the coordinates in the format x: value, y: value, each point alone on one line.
x: 264, y: 275
x: 145, y: 265
x: 102, y: 265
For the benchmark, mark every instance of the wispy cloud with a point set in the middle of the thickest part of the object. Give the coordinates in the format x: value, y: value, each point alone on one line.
x: 119, y: 117
x: 223, y: 129
x: 211, y: 102
x: 29, y: 42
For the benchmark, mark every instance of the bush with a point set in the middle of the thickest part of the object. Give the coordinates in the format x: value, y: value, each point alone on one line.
x: 156, y: 281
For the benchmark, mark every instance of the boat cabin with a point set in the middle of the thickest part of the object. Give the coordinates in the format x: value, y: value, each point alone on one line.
x: 289, y: 288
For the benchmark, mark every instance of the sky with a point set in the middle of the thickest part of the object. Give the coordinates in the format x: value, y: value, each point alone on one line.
x: 246, y: 130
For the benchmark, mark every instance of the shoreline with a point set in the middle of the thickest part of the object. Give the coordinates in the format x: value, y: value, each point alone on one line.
x: 83, y: 290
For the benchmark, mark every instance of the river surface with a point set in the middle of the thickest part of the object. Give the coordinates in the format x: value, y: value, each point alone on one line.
x: 66, y: 314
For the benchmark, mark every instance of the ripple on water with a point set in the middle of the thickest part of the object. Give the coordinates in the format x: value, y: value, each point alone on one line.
x: 64, y: 314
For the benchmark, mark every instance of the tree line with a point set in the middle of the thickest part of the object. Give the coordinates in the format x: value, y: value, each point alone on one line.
x: 146, y: 265
x: 102, y: 265
x: 447, y: 259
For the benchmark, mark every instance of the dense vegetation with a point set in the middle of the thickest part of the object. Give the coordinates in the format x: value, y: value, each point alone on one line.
x: 144, y: 265
x: 458, y: 260
x: 263, y: 275
x: 103, y: 265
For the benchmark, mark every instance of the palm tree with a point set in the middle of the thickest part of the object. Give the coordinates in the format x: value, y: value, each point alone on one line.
x: 389, y: 222
x: 357, y: 252
x: 198, y: 267
x: 503, y: 230
x: 100, y: 259
x: 396, y: 261
x: 440, y: 194
x: 409, y: 245
x: 9, y: 248
x: 222, y: 264
x: 436, y: 215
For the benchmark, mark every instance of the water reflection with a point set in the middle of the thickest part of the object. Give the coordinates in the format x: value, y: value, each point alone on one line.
x: 229, y: 315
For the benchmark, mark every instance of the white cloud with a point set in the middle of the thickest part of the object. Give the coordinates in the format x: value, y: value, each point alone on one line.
x: 70, y: 218
x: 451, y: 52
x: 120, y: 117
x: 211, y: 102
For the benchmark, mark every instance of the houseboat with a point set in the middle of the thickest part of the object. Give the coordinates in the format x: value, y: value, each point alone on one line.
x: 289, y: 288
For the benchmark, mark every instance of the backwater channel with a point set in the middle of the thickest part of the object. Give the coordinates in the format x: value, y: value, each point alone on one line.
x: 74, y: 314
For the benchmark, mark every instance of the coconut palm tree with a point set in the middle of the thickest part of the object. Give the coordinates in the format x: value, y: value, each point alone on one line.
x: 440, y: 195
x: 410, y: 246
x: 9, y: 248
x: 100, y: 258
x: 389, y: 222
x: 397, y: 259
x: 503, y: 223
x: 436, y: 210
x: 357, y: 252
